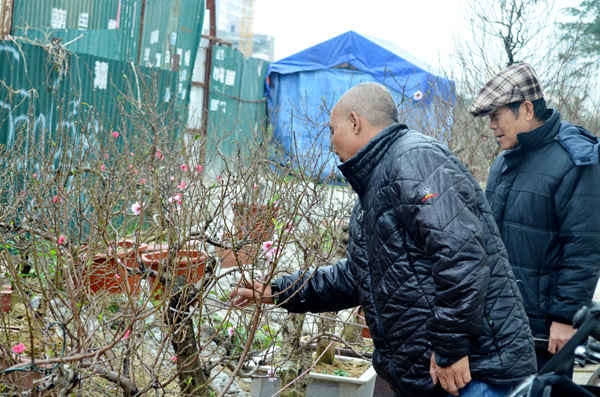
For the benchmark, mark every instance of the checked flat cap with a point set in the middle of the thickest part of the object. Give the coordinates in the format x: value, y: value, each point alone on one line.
x: 516, y: 83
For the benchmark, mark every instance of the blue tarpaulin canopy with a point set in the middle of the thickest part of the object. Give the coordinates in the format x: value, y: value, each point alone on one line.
x: 302, y: 88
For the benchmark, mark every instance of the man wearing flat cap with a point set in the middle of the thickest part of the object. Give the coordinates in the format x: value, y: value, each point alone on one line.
x: 544, y: 190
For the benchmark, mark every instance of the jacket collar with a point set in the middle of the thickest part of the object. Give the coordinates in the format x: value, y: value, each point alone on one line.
x: 358, y: 168
x: 533, y: 140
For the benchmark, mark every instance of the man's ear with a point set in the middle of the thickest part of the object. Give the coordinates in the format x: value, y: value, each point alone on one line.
x: 529, y: 112
x: 356, y: 121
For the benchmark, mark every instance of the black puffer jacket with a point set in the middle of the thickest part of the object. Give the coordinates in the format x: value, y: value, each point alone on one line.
x: 427, y: 264
x: 548, y: 212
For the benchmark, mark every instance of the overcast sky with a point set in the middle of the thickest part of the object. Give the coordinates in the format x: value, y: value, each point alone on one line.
x: 427, y: 29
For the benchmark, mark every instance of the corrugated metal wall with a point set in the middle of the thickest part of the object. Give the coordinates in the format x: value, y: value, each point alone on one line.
x: 155, y: 33
x: 171, y: 36
x: 237, y: 107
x: 47, y: 91
x: 162, y: 35
x: 106, y: 28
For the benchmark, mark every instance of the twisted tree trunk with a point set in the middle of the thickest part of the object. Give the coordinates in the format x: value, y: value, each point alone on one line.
x: 193, y: 376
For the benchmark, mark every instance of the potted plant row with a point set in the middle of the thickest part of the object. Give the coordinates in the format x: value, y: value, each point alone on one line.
x: 117, y: 271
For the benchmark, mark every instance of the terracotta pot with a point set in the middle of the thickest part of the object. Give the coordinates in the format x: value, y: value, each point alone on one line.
x: 365, y: 332
x: 188, y: 263
x: 108, y: 272
x: 365, y: 329
x: 253, y: 221
x: 5, y: 298
x: 243, y: 256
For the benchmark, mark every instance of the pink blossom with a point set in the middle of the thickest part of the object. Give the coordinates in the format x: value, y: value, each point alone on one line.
x: 183, y: 167
x: 230, y: 331
x: 219, y: 178
x: 174, y: 359
x: 142, y: 181
x: 18, y: 348
x: 61, y: 240
x: 127, y: 333
x: 136, y: 208
x: 103, y: 168
x: 159, y: 155
x: 199, y: 168
x: 269, y: 250
x: 115, y: 134
x: 34, y: 175
x: 182, y: 185
x: 177, y: 199
x: 56, y: 199
x: 117, y: 276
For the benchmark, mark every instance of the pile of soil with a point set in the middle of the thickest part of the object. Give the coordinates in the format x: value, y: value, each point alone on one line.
x: 349, y: 368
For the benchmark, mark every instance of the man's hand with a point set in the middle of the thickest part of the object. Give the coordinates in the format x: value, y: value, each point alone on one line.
x: 247, y: 294
x: 451, y: 378
x: 559, y: 335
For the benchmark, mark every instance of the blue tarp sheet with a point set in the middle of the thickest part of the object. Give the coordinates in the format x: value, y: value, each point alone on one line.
x: 302, y: 88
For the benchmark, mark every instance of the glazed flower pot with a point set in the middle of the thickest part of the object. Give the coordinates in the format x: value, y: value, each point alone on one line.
x: 108, y: 272
x: 190, y: 264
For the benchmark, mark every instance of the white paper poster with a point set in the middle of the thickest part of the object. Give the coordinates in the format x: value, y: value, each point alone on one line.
x: 84, y: 21
x: 101, y: 75
x: 58, y: 18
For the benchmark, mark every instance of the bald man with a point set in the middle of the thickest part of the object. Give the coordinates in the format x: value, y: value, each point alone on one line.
x: 424, y: 260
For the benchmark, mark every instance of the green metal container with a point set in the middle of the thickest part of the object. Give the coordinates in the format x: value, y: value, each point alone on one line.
x: 154, y: 33
x: 106, y: 28
x: 236, y: 107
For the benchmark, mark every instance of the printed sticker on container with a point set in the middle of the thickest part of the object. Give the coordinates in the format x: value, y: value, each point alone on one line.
x: 101, y: 75
x: 83, y: 21
x: 154, y: 36
x: 58, y: 18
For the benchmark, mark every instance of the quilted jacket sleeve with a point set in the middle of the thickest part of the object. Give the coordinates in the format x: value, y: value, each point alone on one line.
x: 325, y: 289
x: 577, y: 204
x: 444, y: 218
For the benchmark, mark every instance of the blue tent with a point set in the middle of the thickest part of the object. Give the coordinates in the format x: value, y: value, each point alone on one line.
x: 302, y: 88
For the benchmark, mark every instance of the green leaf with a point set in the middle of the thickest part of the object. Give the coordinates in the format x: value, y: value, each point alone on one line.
x: 340, y: 372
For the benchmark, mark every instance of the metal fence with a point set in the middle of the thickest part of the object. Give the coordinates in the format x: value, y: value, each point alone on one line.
x: 45, y: 90
x: 237, y: 107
